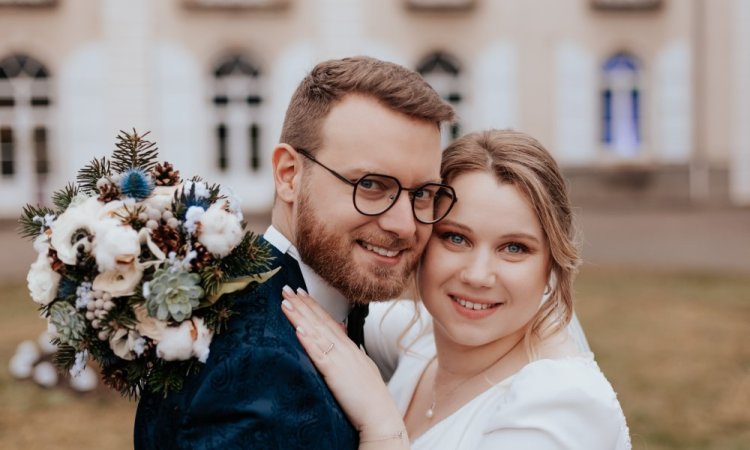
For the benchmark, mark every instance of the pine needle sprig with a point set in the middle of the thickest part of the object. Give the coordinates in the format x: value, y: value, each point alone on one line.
x: 62, y: 198
x: 32, y: 222
x: 132, y: 151
x: 216, y: 318
x: 91, y: 173
x: 212, y: 277
x: 250, y: 256
x: 65, y: 357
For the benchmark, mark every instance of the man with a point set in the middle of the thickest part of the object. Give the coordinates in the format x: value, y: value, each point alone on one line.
x: 356, y: 179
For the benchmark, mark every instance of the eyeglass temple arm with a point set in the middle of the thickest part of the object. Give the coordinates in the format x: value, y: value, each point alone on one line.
x: 307, y: 155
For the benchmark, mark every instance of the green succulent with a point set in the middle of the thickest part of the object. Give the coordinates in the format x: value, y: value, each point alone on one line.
x: 69, y: 323
x: 173, y: 294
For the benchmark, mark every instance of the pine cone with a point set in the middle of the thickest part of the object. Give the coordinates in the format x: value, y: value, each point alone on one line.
x: 203, y: 258
x: 165, y: 175
x: 108, y: 192
x: 168, y: 239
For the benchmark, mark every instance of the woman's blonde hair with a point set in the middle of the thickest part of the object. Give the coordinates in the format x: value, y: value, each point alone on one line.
x: 518, y: 159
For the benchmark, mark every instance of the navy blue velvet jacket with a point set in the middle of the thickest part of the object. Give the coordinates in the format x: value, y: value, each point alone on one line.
x: 257, y: 390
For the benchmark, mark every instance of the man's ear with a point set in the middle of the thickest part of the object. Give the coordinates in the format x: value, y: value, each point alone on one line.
x: 287, y: 172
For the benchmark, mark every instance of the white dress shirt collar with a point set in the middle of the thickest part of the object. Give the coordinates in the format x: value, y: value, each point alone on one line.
x: 326, y: 295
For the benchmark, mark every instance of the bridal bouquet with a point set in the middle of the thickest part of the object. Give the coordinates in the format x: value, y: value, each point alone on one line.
x: 133, y: 264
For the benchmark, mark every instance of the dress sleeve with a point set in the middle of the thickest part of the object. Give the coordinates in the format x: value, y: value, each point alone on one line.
x: 558, y: 405
x: 389, y: 330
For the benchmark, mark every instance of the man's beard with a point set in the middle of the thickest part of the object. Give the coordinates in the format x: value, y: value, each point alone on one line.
x: 329, y: 254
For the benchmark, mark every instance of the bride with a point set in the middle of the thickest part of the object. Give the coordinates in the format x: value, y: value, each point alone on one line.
x: 490, y: 364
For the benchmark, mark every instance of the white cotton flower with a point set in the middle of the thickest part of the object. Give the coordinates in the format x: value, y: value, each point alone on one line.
x: 190, y: 338
x: 44, y: 341
x: 115, y: 244
x: 82, y: 214
x: 192, y: 217
x: 42, y: 280
x: 45, y: 374
x: 201, y: 189
x: 20, y: 367
x: 220, y: 231
x: 161, y: 198
x: 85, y: 381
x: 22, y: 362
x: 232, y: 201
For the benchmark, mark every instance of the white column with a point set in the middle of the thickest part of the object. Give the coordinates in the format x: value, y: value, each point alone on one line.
x: 128, y: 33
x: 575, y: 105
x: 739, y: 165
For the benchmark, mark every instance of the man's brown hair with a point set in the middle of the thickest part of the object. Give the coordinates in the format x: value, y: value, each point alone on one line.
x: 394, y: 86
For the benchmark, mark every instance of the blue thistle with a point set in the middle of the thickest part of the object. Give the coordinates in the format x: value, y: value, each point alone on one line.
x: 137, y: 184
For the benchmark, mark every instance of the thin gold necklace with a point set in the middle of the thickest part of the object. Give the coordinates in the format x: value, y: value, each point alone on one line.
x: 430, y: 413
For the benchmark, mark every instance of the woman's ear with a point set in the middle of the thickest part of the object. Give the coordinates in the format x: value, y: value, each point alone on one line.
x: 286, y: 172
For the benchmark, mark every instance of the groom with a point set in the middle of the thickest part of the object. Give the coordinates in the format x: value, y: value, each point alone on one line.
x: 354, y: 127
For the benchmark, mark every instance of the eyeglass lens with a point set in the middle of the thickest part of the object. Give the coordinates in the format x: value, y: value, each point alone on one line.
x: 374, y: 194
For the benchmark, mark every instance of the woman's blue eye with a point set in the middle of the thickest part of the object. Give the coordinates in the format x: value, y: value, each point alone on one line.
x: 515, y: 248
x: 455, y: 238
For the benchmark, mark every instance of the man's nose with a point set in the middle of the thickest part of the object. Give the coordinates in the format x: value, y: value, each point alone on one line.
x: 400, y: 218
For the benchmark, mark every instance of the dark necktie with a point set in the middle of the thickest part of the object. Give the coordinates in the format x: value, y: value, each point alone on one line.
x: 355, y: 323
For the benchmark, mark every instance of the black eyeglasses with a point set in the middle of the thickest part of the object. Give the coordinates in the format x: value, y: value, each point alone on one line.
x: 374, y: 194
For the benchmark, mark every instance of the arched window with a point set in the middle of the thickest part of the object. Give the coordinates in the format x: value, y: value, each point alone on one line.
x: 621, y: 105
x: 442, y: 72
x: 236, y: 101
x: 24, y: 118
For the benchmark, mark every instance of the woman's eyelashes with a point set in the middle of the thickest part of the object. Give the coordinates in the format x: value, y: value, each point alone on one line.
x: 453, y: 238
x: 516, y: 248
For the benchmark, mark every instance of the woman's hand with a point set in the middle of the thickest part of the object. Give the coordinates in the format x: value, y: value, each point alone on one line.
x: 350, y: 374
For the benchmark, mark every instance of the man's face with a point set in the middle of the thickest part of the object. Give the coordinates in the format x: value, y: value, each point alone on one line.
x: 365, y: 257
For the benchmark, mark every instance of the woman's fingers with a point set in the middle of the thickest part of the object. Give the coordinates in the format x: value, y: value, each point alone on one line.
x: 319, y: 335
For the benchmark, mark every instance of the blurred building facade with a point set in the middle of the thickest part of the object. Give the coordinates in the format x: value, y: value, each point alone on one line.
x: 645, y: 99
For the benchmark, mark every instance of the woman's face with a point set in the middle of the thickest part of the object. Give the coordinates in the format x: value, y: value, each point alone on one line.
x: 486, y: 265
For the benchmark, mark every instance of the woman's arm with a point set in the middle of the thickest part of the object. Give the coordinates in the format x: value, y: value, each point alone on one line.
x: 352, y: 377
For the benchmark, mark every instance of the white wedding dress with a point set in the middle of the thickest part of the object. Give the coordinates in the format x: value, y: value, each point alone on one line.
x: 549, y: 404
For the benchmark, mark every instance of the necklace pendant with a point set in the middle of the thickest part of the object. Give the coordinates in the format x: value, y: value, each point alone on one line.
x: 429, y: 414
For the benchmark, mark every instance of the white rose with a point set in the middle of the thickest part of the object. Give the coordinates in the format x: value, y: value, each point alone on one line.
x: 42, y: 280
x: 124, y: 343
x: 220, y: 231
x: 119, y: 282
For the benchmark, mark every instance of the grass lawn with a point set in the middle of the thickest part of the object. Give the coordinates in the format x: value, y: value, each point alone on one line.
x: 676, y: 347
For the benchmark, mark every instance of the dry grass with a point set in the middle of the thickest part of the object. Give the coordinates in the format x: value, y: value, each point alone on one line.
x: 674, y: 345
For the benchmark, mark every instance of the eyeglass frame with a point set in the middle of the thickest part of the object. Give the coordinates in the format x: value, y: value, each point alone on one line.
x: 354, y: 184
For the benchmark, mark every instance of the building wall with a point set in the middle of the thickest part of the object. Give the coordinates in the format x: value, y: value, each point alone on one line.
x: 533, y: 65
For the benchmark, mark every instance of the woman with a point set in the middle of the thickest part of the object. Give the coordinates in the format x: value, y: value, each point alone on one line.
x: 501, y: 370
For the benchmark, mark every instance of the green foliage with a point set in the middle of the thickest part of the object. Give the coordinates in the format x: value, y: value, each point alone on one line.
x: 65, y: 357
x: 90, y: 174
x: 134, y: 152
x: 168, y: 376
x: 248, y: 257
x: 216, y: 317
x: 62, y: 198
x: 31, y: 222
